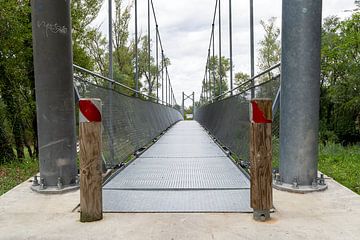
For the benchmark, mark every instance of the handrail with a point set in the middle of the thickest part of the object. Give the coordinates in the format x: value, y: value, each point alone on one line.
x: 247, y: 89
x: 114, y: 82
x: 248, y: 81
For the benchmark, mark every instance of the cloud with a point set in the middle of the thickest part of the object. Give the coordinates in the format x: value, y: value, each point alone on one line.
x: 185, y: 28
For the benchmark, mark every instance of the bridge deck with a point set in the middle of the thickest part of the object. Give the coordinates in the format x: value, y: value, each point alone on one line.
x: 185, y: 171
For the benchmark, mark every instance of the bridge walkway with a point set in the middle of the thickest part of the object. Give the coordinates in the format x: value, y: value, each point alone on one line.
x: 184, y: 171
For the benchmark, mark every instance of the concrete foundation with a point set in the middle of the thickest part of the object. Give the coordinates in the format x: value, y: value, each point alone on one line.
x: 333, y: 214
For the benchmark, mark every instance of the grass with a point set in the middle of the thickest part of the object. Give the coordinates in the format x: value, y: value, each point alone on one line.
x: 15, y: 172
x: 339, y: 162
x: 336, y: 161
x: 342, y: 164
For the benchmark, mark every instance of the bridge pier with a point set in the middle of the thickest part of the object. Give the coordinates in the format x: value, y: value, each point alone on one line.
x: 300, y: 96
x: 51, y: 24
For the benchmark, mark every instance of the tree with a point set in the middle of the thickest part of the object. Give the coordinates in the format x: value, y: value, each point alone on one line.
x: 269, y: 55
x: 340, y: 79
x: 15, y: 55
x: 215, y: 75
x: 83, y: 13
x: 269, y: 52
x: 151, y: 82
x: 240, y: 79
x: 96, y: 45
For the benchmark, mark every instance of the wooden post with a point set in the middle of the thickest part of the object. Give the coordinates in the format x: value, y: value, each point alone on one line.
x: 90, y: 160
x: 260, y: 158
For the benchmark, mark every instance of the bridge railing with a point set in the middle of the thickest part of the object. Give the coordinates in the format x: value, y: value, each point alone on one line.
x: 226, y: 116
x: 129, y: 122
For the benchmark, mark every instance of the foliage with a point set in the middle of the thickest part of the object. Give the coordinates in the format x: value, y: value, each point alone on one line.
x: 240, y: 79
x: 17, y: 85
x: 83, y: 13
x: 340, y: 79
x: 269, y: 52
x: 15, y: 75
x: 151, y: 82
x: 215, y: 72
x: 123, y: 49
x: 269, y: 55
x: 96, y: 45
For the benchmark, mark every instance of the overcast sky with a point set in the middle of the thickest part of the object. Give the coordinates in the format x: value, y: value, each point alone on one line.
x: 185, y: 28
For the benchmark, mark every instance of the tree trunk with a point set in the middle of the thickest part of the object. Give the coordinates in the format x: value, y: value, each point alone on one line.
x: 6, y: 151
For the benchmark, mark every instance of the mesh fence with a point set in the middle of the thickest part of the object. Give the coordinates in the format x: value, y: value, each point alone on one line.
x: 227, y: 119
x: 129, y: 123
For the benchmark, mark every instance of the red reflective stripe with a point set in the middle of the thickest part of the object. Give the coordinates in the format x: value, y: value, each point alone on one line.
x: 90, y: 111
x: 258, y: 115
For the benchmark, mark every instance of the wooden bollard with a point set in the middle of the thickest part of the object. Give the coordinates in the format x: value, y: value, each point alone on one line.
x: 260, y: 158
x: 90, y: 160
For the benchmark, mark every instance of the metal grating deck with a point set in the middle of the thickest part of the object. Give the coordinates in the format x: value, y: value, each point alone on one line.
x: 185, y: 171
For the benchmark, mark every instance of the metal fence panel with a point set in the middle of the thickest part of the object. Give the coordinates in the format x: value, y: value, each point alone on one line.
x: 228, y: 119
x: 135, y: 122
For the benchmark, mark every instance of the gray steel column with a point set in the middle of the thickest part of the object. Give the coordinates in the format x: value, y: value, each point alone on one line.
x: 51, y: 26
x: 300, y: 90
x: 252, y: 61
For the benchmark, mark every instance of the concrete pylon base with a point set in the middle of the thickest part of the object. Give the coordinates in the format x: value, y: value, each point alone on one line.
x: 54, y: 190
x: 299, y: 189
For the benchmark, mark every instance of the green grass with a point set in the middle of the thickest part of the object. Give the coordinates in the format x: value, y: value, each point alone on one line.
x: 15, y: 172
x: 342, y: 164
x: 339, y: 162
x: 336, y: 161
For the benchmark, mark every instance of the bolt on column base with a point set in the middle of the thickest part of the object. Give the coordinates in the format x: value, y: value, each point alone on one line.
x: 55, y: 189
x: 41, y: 187
x: 299, y: 188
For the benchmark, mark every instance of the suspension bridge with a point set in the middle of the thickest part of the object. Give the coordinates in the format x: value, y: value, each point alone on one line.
x: 220, y: 162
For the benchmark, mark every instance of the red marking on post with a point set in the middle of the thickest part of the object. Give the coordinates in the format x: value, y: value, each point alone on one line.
x: 258, y: 115
x: 90, y: 111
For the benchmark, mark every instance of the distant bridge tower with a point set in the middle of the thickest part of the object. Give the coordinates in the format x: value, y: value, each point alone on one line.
x: 184, y: 98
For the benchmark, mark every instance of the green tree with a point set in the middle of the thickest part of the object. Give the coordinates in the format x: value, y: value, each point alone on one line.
x: 15, y: 68
x: 83, y: 13
x: 215, y: 75
x: 96, y: 45
x: 150, y: 82
x: 269, y: 55
x: 269, y: 51
x: 340, y: 79
x: 240, y: 79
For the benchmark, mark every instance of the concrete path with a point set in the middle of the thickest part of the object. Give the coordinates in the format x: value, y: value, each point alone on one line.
x: 333, y: 214
x: 185, y: 171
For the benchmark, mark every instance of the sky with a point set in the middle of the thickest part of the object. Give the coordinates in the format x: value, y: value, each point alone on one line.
x: 185, y: 28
